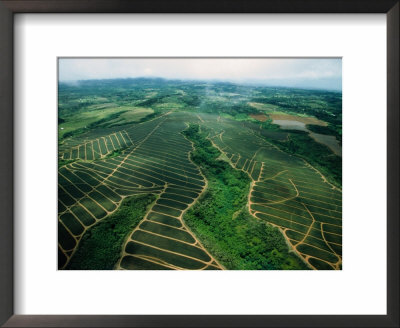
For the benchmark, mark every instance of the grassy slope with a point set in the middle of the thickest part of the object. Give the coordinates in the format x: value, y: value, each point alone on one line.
x: 101, y: 245
x: 221, y: 220
x: 320, y: 156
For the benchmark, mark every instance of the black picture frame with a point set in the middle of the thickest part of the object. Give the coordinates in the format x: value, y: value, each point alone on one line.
x: 7, y: 10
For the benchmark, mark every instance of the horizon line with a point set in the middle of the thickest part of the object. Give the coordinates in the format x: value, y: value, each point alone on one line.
x: 244, y: 83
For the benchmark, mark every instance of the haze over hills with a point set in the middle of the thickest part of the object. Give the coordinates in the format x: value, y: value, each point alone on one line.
x: 321, y: 84
x: 315, y: 73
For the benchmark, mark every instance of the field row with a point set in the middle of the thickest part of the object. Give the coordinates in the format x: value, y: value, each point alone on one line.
x: 86, y: 196
x: 83, y: 201
x: 99, y: 148
x: 159, y: 163
x: 288, y: 193
x: 162, y: 241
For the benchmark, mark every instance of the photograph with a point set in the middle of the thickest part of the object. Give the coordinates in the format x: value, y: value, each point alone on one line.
x: 231, y: 136
x: 199, y: 163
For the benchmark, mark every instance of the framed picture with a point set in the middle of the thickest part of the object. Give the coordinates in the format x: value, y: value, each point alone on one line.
x: 199, y: 169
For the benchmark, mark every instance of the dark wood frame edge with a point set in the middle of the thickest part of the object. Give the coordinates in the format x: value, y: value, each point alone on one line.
x: 7, y: 10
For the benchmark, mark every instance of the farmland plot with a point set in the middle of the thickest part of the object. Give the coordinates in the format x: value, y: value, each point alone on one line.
x: 194, y: 175
x: 158, y: 162
x: 286, y: 192
x: 97, y: 148
x: 162, y: 238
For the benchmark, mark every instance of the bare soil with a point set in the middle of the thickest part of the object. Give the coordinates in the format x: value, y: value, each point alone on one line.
x: 259, y: 117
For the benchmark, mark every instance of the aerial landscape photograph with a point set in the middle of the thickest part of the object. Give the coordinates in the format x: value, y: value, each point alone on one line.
x: 199, y: 163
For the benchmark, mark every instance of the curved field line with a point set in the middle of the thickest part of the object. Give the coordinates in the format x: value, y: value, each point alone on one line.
x: 310, y: 227
x: 155, y: 261
x: 164, y: 224
x: 183, y: 227
x: 168, y: 237
x: 169, y: 251
x: 299, y: 208
x: 273, y: 177
x: 339, y: 262
x: 86, y: 194
x: 267, y: 204
x: 286, y: 199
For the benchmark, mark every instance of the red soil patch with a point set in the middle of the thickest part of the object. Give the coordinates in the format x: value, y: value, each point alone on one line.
x: 259, y: 117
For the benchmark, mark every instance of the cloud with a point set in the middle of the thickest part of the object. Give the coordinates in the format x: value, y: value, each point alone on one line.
x: 285, y: 70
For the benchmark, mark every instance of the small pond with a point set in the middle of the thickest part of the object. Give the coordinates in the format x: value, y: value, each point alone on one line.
x: 290, y: 125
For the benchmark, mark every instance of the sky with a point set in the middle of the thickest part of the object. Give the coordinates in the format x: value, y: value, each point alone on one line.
x: 315, y: 73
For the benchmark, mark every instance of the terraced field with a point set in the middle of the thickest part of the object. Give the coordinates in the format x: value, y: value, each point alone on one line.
x: 157, y: 174
x: 97, y: 148
x: 286, y: 191
x: 155, y: 161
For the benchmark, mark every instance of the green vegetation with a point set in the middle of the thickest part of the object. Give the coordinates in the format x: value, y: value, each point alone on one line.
x: 81, y: 123
x: 221, y: 219
x: 116, y: 141
x: 328, y: 130
x: 268, y: 125
x: 62, y: 162
x: 100, y: 246
x: 299, y: 143
x: 324, y: 105
x: 114, y: 153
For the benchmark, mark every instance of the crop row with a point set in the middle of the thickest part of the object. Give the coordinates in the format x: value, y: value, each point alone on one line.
x: 98, y: 148
x: 85, y: 195
x: 286, y: 192
x: 158, y: 162
x: 162, y: 239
